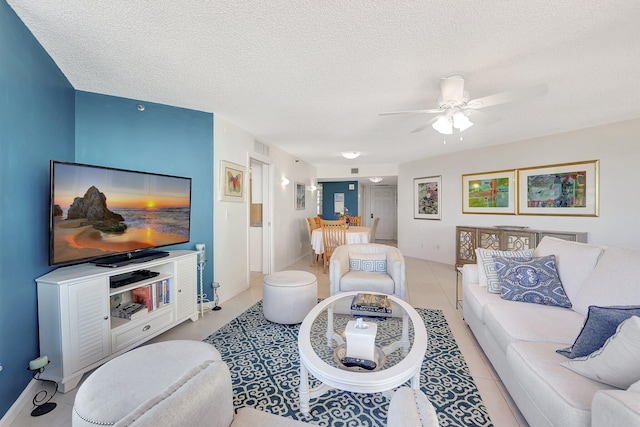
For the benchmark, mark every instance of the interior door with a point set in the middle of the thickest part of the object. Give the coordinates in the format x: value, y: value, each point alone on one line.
x: 383, y: 205
x: 260, y: 243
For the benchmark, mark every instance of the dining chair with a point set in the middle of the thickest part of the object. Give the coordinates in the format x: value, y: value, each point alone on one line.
x: 334, y: 234
x: 356, y: 221
x: 311, y: 223
x: 374, y: 228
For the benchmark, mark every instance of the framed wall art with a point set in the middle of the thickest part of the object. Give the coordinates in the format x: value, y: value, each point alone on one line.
x: 300, y: 196
x: 564, y: 189
x: 231, y: 182
x: 489, y: 193
x: 427, y: 197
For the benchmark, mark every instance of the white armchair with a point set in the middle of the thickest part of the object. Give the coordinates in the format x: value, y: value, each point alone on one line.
x: 368, y: 267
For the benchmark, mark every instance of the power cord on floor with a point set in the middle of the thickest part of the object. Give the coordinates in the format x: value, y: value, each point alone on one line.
x: 42, y: 400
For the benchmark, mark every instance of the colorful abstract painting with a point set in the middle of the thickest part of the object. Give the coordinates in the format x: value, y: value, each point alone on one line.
x: 489, y: 192
x: 567, y: 189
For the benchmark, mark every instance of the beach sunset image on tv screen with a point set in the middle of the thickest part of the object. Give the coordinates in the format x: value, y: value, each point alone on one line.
x: 98, y: 211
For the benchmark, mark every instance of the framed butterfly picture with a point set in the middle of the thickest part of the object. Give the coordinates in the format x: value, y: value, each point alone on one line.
x: 231, y: 182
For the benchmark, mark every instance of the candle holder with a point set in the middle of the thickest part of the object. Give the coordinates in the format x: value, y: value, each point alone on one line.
x: 215, y: 286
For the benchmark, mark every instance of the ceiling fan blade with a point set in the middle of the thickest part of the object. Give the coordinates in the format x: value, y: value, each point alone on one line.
x: 420, y: 128
x: 509, y: 96
x: 425, y: 126
x: 482, y: 117
x: 430, y: 111
x: 452, y: 88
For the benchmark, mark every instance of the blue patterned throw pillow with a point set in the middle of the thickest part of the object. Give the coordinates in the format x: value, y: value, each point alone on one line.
x: 376, y: 263
x: 531, y: 280
x: 601, y: 323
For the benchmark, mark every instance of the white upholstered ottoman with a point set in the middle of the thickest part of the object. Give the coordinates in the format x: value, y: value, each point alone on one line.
x: 169, y: 383
x: 288, y: 296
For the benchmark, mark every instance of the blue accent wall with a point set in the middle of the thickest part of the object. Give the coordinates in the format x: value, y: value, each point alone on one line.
x: 36, y: 125
x: 42, y: 118
x: 110, y: 131
x: 350, y: 198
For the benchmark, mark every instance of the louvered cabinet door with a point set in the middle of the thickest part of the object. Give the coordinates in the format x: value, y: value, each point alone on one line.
x: 88, y: 323
x: 186, y: 285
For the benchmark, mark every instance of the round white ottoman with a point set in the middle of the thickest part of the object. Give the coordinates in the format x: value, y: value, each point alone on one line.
x: 288, y: 296
x: 148, y: 378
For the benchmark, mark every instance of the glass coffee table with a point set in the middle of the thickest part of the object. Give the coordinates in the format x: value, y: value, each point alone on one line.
x: 401, y: 343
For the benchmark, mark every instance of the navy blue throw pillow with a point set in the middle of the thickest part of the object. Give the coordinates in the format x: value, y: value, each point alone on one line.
x: 601, y: 323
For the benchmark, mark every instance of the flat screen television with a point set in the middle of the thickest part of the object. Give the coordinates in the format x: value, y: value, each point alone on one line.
x: 114, y: 217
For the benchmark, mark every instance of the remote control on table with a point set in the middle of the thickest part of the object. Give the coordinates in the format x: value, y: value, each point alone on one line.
x: 361, y: 363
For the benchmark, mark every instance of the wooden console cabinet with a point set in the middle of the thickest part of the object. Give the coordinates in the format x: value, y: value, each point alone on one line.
x: 503, y: 238
x: 77, y: 331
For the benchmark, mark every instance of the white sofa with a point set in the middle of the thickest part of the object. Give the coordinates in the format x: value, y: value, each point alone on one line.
x: 520, y: 339
x: 349, y: 269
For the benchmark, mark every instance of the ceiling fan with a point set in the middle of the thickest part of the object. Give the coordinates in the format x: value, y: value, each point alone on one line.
x: 454, y: 104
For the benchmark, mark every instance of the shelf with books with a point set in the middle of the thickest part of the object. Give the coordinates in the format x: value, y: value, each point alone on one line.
x: 141, y: 299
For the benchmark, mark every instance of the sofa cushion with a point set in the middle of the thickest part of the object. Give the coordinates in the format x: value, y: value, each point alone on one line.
x: 617, y: 363
x: 376, y: 282
x: 562, y: 395
x: 476, y: 298
x: 368, y: 262
x: 601, y: 323
x: 533, y: 280
x: 574, y: 261
x: 615, y: 408
x: 614, y: 281
x: 515, y: 321
x: 486, y: 265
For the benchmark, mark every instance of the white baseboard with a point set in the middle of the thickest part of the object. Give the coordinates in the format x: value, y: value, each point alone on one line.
x: 25, y: 398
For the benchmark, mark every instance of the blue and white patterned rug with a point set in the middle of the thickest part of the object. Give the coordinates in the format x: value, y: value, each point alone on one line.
x: 264, y: 364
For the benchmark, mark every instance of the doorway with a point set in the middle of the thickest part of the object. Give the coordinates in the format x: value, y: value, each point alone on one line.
x: 260, y: 239
x: 383, y: 204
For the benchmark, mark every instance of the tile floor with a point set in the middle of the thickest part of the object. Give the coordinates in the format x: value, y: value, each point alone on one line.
x: 431, y: 285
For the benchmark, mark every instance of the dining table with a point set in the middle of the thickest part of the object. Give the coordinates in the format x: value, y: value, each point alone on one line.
x: 354, y: 235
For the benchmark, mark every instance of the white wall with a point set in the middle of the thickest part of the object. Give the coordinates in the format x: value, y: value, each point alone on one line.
x: 616, y: 146
x: 231, y: 220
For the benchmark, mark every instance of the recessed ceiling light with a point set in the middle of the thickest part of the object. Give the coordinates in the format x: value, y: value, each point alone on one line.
x: 350, y: 154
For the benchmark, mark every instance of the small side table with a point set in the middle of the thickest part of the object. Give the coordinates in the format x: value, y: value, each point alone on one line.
x: 458, y: 284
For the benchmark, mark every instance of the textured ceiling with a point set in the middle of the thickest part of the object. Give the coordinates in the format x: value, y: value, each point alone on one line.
x: 312, y: 76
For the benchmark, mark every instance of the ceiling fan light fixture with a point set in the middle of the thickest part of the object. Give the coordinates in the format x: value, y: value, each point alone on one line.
x: 350, y: 154
x: 376, y: 179
x: 443, y: 125
x: 461, y: 122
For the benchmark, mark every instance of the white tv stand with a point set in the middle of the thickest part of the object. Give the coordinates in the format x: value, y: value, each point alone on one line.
x: 77, y: 331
